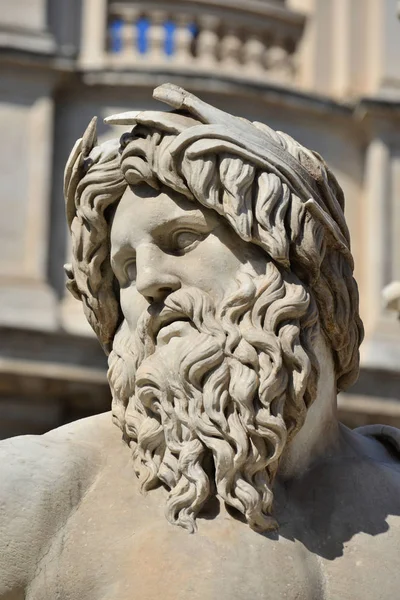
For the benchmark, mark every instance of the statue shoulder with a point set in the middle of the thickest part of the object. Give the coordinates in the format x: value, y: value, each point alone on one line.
x: 43, y: 479
x: 383, y: 447
x: 387, y: 436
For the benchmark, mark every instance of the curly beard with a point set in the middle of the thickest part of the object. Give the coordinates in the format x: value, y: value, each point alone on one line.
x: 210, y: 413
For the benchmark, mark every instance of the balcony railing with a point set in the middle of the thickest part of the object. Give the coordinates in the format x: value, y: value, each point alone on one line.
x: 248, y: 39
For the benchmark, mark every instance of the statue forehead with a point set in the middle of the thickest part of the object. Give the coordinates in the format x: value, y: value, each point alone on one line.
x: 144, y: 210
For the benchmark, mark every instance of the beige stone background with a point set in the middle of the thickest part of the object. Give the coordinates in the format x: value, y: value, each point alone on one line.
x: 325, y: 71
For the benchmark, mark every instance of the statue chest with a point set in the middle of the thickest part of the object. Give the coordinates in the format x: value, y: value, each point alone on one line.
x: 117, y: 545
x: 151, y: 565
x: 154, y: 565
x: 124, y: 549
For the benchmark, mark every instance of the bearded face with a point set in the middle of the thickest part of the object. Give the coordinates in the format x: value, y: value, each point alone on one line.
x: 226, y: 278
x: 212, y: 369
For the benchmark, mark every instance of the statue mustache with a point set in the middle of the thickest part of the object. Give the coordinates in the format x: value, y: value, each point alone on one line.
x: 186, y: 304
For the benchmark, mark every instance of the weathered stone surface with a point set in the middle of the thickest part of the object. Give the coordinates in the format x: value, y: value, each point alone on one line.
x: 213, y: 261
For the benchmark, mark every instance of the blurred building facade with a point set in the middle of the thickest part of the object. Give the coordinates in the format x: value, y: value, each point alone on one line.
x: 325, y: 71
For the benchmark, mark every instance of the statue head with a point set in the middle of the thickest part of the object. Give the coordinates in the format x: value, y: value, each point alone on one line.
x: 211, y: 254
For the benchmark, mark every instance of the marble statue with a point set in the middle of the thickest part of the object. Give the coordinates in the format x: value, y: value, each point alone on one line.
x: 213, y: 262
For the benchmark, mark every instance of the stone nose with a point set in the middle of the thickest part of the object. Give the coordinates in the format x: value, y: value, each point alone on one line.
x: 154, y: 278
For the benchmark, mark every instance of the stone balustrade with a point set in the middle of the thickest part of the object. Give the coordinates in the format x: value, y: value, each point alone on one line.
x: 255, y: 39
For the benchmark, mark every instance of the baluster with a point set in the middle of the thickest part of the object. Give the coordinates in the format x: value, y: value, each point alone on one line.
x: 129, y: 35
x: 277, y: 62
x: 156, y: 36
x: 230, y: 48
x: 254, y: 53
x: 207, y: 40
x: 183, y: 39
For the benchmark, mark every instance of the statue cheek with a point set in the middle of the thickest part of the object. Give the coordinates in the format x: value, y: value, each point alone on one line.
x: 212, y: 267
x: 132, y: 305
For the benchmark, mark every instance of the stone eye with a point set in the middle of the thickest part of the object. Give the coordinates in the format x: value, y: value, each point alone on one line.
x: 183, y: 240
x: 130, y: 270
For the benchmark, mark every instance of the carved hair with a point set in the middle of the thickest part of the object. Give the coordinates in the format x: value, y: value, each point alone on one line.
x: 273, y: 192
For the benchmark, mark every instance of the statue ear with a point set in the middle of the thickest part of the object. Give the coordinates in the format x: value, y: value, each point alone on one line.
x: 74, y: 169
